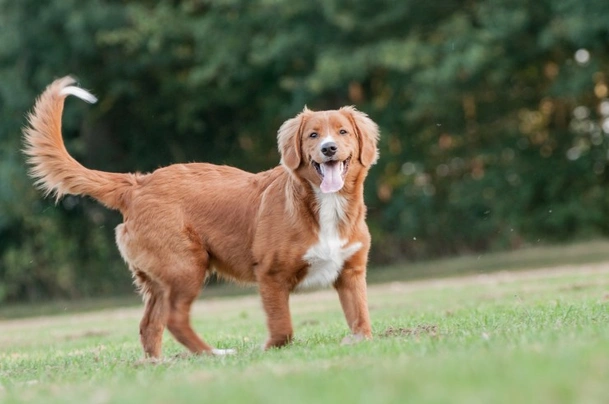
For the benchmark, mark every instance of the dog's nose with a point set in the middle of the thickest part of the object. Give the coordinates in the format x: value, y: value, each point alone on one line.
x: 329, y: 149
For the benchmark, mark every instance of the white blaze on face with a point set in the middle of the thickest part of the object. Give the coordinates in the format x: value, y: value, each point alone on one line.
x: 327, y: 139
x: 328, y: 135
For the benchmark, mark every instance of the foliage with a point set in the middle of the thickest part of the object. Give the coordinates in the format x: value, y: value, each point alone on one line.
x: 494, y: 115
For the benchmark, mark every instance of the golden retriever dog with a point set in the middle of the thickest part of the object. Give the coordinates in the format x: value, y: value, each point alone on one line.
x: 299, y: 225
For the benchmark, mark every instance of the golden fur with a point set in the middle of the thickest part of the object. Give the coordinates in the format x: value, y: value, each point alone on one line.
x: 274, y: 228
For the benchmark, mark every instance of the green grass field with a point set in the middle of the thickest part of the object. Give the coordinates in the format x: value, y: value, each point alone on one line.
x: 528, y: 336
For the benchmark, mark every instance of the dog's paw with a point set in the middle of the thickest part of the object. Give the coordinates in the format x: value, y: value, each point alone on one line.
x: 354, y: 339
x: 223, y: 352
x: 277, y: 341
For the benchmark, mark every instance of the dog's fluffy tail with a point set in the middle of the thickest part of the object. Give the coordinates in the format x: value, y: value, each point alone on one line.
x: 56, y: 172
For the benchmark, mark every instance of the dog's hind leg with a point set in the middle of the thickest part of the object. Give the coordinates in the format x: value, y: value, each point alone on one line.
x: 180, y: 301
x: 186, y: 283
x: 155, y: 316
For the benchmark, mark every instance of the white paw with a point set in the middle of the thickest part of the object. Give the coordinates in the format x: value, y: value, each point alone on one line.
x: 353, y: 339
x: 223, y: 352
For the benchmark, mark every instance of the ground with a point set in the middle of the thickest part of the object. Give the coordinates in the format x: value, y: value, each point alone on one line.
x: 538, y: 336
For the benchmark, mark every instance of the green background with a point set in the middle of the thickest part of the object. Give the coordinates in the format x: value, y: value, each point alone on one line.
x: 494, y: 116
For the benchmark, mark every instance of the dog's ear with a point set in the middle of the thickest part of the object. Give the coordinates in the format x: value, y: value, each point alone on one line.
x: 288, y: 140
x: 367, y: 134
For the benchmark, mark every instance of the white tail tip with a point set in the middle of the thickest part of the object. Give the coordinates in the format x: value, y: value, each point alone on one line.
x: 80, y: 93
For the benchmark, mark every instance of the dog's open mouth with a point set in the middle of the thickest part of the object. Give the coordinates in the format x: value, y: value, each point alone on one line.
x: 332, y: 174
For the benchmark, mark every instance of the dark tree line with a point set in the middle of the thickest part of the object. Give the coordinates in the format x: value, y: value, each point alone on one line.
x: 494, y: 115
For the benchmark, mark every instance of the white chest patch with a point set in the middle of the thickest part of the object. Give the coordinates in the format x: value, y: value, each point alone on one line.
x: 327, y: 257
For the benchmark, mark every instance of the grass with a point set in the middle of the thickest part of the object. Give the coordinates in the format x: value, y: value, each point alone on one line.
x: 527, y: 336
x: 531, y: 257
x: 540, y: 256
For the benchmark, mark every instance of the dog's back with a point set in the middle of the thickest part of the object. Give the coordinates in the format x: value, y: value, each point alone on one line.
x: 217, y: 206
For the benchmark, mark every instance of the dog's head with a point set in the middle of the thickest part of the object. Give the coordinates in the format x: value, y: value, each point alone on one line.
x: 326, y: 147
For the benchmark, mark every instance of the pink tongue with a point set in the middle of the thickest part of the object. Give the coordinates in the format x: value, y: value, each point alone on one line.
x: 333, y: 180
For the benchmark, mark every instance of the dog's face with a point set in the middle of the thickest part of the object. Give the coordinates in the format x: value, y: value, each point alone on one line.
x: 326, y: 147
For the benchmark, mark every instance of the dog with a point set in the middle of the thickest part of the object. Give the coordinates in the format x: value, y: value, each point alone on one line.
x: 299, y: 225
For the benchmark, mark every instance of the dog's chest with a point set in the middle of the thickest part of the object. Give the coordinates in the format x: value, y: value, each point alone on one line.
x: 327, y: 257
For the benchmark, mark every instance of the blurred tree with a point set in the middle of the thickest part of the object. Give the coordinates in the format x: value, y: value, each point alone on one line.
x: 494, y: 115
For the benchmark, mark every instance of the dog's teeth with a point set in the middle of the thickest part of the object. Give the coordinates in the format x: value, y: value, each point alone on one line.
x: 321, y: 167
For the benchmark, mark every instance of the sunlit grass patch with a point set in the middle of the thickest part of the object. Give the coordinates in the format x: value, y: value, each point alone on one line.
x: 539, y: 337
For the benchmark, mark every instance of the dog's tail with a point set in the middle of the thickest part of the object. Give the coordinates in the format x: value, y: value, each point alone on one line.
x: 56, y: 172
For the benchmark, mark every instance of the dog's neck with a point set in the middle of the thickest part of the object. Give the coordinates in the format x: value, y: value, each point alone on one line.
x: 330, y: 206
x: 344, y: 207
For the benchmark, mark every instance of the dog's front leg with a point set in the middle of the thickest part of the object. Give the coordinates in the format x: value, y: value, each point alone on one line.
x: 275, y: 300
x: 351, y: 288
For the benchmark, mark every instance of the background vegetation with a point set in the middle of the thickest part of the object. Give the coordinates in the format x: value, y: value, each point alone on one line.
x: 494, y: 115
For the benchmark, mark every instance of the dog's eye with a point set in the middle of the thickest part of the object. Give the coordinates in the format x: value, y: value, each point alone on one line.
x: 342, y: 132
x: 313, y: 135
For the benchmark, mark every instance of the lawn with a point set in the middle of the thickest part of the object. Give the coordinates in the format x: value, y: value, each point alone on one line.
x: 528, y: 336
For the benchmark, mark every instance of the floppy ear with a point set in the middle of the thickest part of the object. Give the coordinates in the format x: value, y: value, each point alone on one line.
x: 367, y: 134
x: 288, y: 140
